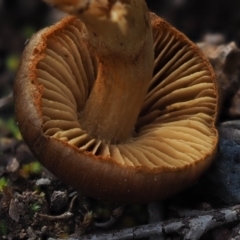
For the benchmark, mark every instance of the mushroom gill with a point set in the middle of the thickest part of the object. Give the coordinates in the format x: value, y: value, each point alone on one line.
x: 176, y: 125
x: 117, y: 103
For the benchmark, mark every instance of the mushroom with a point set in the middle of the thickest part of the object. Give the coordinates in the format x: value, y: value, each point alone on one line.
x: 117, y: 103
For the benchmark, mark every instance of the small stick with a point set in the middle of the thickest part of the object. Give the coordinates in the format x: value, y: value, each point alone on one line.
x: 188, y: 228
x: 115, y: 215
x: 65, y: 216
x: 155, y: 214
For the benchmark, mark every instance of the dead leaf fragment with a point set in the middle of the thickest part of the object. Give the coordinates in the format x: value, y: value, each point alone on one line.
x: 13, y: 210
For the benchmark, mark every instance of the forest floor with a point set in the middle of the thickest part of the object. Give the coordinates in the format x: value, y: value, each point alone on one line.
x: 36, y: 205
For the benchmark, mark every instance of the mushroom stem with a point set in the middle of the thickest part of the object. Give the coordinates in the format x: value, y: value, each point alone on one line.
x: 123, y: 45
x: 120, y: 36
x: 115, y: 101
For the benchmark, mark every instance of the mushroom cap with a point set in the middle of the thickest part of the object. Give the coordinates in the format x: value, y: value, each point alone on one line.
x: 175, y: 136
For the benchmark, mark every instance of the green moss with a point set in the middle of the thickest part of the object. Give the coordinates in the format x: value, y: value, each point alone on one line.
x: 12, y: 62
x: 35, y: 207
x: 32, y: 168
x: 3, y: 228
x: 3, y: 183
x: 11, y: 126
x: 28, y: 31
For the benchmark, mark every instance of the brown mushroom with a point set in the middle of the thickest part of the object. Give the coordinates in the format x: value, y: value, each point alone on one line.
x: 117, y: 103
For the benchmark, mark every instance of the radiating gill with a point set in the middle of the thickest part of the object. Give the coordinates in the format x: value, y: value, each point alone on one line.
x: 174, y: 127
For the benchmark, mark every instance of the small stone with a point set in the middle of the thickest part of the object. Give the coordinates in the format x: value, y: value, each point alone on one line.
x: 13, y: 210
x: 225, y: 59
x: 230, y: 130
x: 58, y: 201
x: 43, y: 182
x: 222, y: 181
x: 44, y: 229
x: 22, y: 235
x: 13, y: 165
x: 31, y: 233
x: 214, y: 38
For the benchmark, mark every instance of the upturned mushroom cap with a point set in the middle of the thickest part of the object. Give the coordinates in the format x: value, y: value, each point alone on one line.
x: 174, y: 139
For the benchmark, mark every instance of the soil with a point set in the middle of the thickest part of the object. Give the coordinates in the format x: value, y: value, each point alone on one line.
x: 36, y: 205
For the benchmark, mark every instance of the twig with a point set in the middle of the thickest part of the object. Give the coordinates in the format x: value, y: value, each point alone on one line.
x: 4, y: 101
x: 183, y: 213
x: 188, y: 228
x: 235, y: 235
x: 155, y: 214
x: 65, y: 216
x: 115, y: 215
